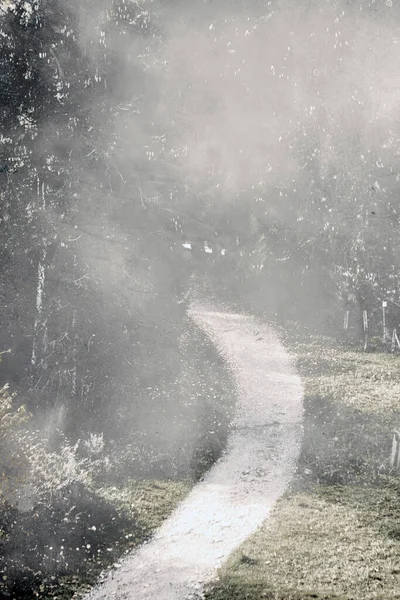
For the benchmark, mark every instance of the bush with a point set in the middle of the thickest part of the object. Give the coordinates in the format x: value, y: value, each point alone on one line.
x: 13, y: 465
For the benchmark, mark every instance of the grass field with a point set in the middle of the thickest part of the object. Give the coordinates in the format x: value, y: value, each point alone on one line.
x: 336, y: 533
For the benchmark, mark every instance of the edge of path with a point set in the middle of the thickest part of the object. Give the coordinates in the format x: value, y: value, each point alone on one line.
x: 238, y: 492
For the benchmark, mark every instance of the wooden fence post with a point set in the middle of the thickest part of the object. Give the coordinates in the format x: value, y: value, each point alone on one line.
x: 395, y: 455
x: 384, y: 306
x: 395, y: 340
x: 365, y: 324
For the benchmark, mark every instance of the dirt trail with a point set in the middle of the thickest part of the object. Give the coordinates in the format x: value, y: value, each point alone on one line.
x: 237, y: 494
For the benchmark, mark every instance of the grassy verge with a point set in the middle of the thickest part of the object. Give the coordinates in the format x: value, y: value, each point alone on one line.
x: 143, y: 506
x: 148, y: 502
x: 336, y: 532
x: 80, y: 537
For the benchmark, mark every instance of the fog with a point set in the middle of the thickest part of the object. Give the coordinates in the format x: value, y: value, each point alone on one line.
x: 156, y: 155
x: 242, y: 98
x: 290, y: 107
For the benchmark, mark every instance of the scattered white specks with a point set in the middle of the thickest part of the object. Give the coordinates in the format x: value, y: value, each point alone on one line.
x: 226, y: 507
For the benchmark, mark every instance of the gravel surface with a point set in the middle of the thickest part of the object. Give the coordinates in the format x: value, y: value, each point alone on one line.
x: 237, y: 494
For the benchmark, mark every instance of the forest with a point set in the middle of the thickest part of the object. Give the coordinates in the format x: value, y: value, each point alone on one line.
x: 153, y: 152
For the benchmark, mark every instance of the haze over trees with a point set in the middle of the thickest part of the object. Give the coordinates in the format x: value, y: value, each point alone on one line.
x: 261, y: 135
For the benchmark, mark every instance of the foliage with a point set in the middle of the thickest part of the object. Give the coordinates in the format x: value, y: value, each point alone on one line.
x: 72, y: 526
x: 122, y: 139
x: 13, y: 463
x: 27, y: 460
x: 10, y: 417
x: 53, y: 472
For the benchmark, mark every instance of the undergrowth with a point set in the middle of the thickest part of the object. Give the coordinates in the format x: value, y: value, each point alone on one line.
x: 70, y: 510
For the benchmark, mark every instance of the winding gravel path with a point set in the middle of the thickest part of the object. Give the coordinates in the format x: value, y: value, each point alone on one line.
x: 238, y: 493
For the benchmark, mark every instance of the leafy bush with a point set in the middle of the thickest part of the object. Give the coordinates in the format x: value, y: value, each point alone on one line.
x: 13, y: 465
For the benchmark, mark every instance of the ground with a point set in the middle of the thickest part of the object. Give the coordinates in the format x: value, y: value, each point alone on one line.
x: 336, y: 533
x: 236, y: 495
x: 98, y: 529
x: 59, y: 547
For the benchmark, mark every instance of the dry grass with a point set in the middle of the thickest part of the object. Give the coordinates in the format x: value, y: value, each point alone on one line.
x: 324, y: 540
x: 145, y: 505
x: 327, y: 543
x: 367, y: 382
x: 150, y: 502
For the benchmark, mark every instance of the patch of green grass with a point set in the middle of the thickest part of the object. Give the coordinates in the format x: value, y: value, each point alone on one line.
x: 368, y: 382
x: 148, y: 501
x: 330, y: 542
x: 86, y: 537
x: 145, y: 504
x: 336, y: 533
